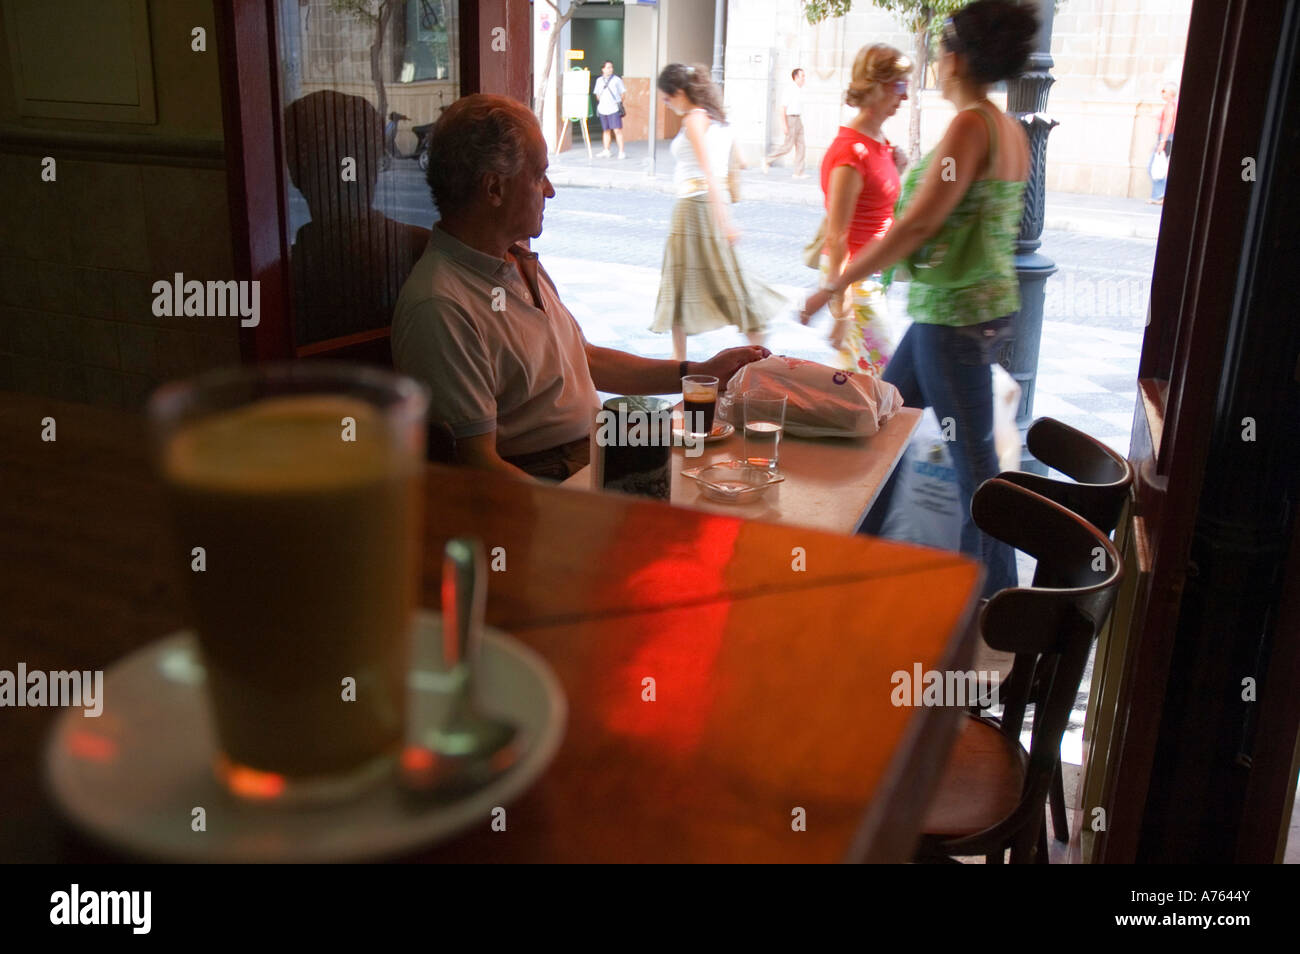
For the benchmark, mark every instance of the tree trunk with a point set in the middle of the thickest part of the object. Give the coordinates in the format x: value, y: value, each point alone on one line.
x: 920, y: 35
x: 539, y: 102
x: 384, y: 15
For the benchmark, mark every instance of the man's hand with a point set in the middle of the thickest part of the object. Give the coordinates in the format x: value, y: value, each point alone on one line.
x: 726, y: 363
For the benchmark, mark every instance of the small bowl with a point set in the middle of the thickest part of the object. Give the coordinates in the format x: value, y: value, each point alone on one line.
x: 733, y: 481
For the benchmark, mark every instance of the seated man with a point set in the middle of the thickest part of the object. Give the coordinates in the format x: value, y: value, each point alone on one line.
x: 479, y: 321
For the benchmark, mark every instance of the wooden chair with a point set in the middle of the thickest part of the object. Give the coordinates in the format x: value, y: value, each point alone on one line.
x: 1101, y: 476
x: 1101, y: 482
x: 993, y: 793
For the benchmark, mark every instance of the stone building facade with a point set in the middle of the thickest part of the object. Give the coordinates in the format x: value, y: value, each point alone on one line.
x: 1111, y: 57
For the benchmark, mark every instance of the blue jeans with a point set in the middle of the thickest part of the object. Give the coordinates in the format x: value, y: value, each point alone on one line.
x: 948, y: 369
x: 1158, y: 185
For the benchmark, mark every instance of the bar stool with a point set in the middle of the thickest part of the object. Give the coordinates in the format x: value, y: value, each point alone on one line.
x: 1102, y: 479
x: 992, y: 793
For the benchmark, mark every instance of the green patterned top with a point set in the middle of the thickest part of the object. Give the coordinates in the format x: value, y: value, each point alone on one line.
x: 965, y: 274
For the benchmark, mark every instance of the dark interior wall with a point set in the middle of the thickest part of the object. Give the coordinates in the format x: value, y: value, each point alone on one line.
x: 131, y: 203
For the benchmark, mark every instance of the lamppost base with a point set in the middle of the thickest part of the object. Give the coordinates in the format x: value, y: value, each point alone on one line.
x: 1021, y: 361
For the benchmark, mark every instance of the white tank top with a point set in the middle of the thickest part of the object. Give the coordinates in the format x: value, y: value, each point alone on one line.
x: 717, y: 140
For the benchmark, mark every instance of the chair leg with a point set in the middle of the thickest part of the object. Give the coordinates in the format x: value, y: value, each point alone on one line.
x: 996, y: 858
x: 1040, y: 856
x: 1056, y: 795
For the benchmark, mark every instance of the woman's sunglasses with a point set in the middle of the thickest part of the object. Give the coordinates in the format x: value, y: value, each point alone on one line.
x: 900, y: 88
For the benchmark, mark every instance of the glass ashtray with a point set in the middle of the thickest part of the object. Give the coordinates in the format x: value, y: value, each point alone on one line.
x: 733, y: 481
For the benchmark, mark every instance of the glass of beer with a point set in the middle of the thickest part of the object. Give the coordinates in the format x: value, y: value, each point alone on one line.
x: 699, y: 404
x: 296, y: 498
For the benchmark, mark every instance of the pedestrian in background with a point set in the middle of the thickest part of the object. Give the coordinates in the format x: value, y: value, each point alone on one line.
x: 702, y: 286
x: 791, y: 125
x: 860, y: 181
x: 609, y: 91
x: 1158, y: 167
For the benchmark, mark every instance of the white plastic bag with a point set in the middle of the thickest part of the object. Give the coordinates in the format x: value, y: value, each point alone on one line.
x: 924, y: 507
x: 1006, y: 401
x: 821, y: 401
x: 1159, y: 166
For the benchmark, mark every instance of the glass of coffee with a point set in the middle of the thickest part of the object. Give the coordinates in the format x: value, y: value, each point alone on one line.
x: 296, y: 497
x: 699, y: 404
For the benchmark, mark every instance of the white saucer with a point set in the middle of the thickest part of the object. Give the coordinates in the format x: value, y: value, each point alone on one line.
x: 133, y: 776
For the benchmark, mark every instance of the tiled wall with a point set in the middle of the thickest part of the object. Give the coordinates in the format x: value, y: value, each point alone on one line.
x: 130, y: 204
x: 78, y: 258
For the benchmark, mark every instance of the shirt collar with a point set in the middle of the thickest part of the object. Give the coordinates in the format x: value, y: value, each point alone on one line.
x: 481, y: 262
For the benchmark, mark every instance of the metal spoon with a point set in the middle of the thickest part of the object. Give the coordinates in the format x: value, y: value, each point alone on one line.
x: 459, y: 748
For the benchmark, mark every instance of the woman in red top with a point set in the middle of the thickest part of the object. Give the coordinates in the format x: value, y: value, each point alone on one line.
x: 860, y: 182
x: 1164, y: 143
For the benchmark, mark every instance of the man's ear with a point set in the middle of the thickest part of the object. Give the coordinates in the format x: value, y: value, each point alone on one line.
x: 494, y: 185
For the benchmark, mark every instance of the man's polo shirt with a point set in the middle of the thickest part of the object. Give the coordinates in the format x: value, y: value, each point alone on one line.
x: 467, y: 325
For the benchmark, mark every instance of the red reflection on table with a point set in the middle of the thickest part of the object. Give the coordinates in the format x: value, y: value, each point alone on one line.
x: 676, y: 648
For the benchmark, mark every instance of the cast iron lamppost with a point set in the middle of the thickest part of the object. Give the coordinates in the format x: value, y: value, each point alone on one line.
x: 1026, y: 100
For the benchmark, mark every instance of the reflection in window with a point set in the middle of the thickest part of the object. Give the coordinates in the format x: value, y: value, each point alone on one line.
x: 359, y: 77
x: 423, y: 37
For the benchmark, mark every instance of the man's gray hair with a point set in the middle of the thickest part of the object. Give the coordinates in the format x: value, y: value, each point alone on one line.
x: 477, y: 134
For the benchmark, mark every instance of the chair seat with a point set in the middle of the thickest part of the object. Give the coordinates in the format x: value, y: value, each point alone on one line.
x: 981, y: 784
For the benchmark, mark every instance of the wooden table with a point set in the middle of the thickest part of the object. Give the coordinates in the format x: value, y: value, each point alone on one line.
x: 773, y: 684
x: 830, y: 483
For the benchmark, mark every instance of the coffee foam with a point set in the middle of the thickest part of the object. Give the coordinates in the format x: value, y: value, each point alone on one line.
x: 284, y: 443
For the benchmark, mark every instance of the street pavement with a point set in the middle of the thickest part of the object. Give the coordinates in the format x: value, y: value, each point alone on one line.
x: 1091, y: 214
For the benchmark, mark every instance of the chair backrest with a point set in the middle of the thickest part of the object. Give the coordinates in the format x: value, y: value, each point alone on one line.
x: 1102, y: 476
x: 1050, y: 625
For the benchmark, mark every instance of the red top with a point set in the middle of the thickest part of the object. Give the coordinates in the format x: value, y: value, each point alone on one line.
x: 1167, y: 119
x: 874, y: 162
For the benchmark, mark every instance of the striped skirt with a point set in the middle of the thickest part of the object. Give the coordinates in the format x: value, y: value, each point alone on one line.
x: 702, y: 286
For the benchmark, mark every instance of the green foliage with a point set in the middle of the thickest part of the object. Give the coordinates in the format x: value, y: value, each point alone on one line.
x: 365, y: 9
x: 914, y: 14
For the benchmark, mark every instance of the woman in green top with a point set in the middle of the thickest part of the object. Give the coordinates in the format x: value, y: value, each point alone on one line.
x: 955, y: 229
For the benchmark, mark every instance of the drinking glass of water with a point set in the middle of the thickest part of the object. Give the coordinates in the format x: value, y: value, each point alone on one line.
x: 764, y: 422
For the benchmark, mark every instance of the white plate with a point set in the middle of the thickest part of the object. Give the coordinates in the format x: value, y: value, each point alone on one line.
x: 133, y: 776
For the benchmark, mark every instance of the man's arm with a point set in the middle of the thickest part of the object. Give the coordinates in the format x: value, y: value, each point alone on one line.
x: 480, y: 452
x: 621, y: 373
